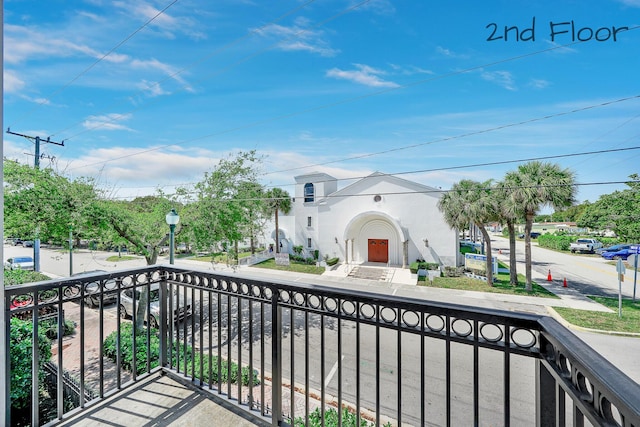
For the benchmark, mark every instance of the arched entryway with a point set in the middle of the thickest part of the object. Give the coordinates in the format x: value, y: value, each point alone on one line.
x: 375, y: 237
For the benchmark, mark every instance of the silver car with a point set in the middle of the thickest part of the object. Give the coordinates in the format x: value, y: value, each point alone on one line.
x: 19, y: 263
x: 181, y: 307
x: 92, y: 290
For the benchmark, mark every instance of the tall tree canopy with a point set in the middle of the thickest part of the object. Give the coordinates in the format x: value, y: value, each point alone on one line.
x: 618, y: 211
x: 534, y: 185
x: 228, y: 203
x: 471, y: 202
x: 278, y: 200
x: 140, y: 222
x: 44, y: 202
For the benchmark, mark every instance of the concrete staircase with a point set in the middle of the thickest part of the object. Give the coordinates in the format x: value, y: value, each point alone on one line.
x: 369, y: 273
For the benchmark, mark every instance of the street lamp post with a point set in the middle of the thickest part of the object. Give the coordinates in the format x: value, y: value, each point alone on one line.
x: 172, y: 219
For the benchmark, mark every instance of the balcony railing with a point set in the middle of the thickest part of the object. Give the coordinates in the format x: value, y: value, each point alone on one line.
x: 306, y: 350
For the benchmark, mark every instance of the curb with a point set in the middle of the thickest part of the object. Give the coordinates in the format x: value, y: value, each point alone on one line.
x: 568, y: 325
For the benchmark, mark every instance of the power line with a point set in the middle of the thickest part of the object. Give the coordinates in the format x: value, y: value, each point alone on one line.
x: 365, y: 96
x: 96, y: 62
x: 426, y: 191
x: 459, y: 136
x: 464, y: 135
x: 468, y: 166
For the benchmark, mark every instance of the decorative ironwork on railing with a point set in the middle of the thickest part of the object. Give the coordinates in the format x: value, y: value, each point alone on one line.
x: 287, y: 352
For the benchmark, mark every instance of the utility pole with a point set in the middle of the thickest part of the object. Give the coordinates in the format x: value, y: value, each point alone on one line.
x: 37, y: 140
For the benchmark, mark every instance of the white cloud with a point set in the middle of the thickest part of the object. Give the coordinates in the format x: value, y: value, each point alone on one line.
x: 449, y: 53
x: 297, y: 38
x: 539, y: 83
x: 167, y: 69
x: 380, y: 7
x: 501, y: 78
x: 363, y: 74
x: 12, y: 83
x: 153, y: 89
x: 632, y: 3
x: 107, y: 122
x: 409, y: 70
x: 167, y: 23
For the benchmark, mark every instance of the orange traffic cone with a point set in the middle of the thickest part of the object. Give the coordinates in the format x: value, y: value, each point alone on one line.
x: 549, y: 279
x: 564, y: 283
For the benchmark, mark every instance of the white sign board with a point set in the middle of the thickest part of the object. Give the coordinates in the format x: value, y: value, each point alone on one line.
x: 282, y: 259
x: 479, y: 262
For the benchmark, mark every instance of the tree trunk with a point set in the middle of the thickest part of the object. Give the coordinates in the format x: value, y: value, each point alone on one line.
x: 527, y: 249
x: 513, y: 271
x: 489, y: 265
x: 277, y: 234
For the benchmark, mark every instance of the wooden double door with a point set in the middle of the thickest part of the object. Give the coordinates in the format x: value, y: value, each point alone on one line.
x: 378, y: 250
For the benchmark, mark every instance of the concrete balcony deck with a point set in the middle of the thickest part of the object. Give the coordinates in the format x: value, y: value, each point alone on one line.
x: 161, y: 400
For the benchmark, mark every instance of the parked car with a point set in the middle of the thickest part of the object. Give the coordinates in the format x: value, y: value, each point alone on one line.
x: 534, y: 235
x: 19, y: 263
x: 621, y: 254
x: 93, y: 289
x: 25, y: 243
x: 585, y: 245
x: 181, y: 307
x: 613, y: 248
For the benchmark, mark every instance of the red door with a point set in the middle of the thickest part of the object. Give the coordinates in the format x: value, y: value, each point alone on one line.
x: 378, y: 250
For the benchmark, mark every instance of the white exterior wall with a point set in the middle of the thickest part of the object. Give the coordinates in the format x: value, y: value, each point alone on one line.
x: 343, y: 221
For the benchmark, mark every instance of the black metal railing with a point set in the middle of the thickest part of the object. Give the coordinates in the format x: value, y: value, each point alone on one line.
x: 288, y: 353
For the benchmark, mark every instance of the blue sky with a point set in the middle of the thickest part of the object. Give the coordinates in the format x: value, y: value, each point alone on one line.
x: 345, y: 87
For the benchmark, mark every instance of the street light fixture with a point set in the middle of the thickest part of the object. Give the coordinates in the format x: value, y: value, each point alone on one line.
x: 172, y: 219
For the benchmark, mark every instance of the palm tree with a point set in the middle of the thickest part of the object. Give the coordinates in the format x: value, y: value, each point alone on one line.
x: 534, y: 185
x: 472, y: 202
x: 278, y: 200
x: 510, y: 213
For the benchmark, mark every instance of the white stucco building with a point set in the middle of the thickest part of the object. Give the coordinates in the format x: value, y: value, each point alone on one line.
x: 379, y: 218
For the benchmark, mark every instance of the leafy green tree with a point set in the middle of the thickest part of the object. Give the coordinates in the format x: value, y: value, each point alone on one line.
x: 571, y: 214
x: 227, y: 202
x: 278, y: 200
x: 618, y: 211
x: 472, y: 202
x: 42, y: 203
x: 534, y: 185
x: 140, y: 222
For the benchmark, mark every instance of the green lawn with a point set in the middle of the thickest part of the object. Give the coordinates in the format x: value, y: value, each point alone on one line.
x: 294, y: 266
x: 115, y: 258
x: 501, y: 286
x: 630, y: 321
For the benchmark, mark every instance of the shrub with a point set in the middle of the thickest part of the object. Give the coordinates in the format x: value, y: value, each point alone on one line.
x: 50, y: 328
x: 17, y: 277
x: 126, y: 344
x: 450, y: 271
x: 21, y: 354
x: 316, y: 254
x: 415, y: 266
x: 303, y: 260
x: 298, y: 250
x: 332, y: 261
x: 557, y: 242
x: 331, y: 419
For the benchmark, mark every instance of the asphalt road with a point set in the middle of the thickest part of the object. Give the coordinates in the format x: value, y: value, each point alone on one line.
x: 589, y: 274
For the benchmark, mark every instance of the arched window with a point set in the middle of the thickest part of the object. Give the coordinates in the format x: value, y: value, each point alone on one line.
x: 309, y: 192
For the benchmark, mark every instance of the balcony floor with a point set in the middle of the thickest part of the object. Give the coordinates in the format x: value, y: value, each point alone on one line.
x: 160, y: 400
